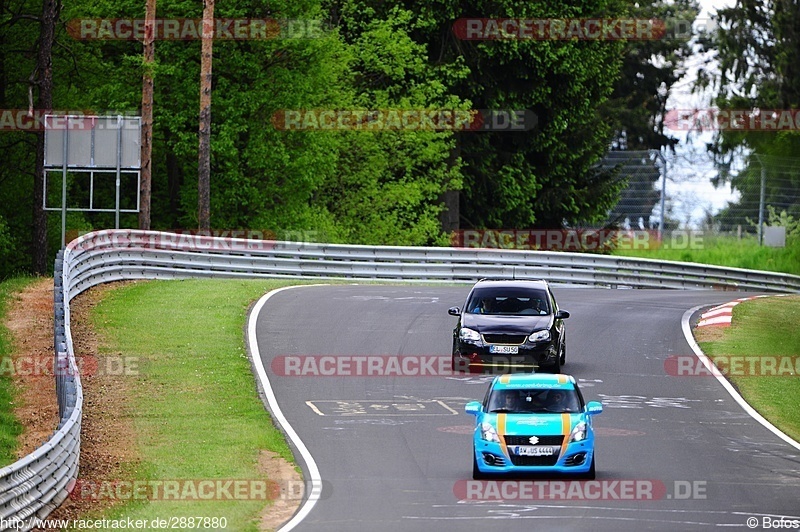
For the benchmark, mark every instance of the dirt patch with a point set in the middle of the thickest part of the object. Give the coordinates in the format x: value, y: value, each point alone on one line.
x: 709, y: 333
x: 275, y: 468
x: 30, y: 320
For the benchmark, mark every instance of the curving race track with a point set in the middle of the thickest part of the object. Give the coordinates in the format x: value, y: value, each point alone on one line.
x: 393, y: 453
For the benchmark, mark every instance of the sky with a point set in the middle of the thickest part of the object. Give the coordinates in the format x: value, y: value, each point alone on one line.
x: 689, y: 189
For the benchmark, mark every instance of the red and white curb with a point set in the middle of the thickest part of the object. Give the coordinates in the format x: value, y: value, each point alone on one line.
x: 721, y: 315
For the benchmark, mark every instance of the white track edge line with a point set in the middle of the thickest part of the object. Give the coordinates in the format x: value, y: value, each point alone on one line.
x: 687, y: 332
x: 313, y: 470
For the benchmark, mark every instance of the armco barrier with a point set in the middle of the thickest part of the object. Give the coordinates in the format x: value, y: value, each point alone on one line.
x: 38, y: 483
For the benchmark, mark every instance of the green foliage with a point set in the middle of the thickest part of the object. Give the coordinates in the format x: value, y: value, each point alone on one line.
x: 383, y: 187
x: 543, y: 177
x: 782, y: 219
x: 758, y: 49
x: 638, y: 104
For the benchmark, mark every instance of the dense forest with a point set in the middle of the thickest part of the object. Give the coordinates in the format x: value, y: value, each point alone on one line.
x: 399, y: 186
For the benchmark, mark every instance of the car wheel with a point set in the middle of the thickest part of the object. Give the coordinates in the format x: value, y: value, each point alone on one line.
x: 591, y: 474
x: 563, y: 354
x: 477, y: 474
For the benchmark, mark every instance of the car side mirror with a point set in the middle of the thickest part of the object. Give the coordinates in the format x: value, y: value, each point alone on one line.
x: 562, y: 315
x: 454, y: 311
x: 473, y: 408
x: 594, y: 408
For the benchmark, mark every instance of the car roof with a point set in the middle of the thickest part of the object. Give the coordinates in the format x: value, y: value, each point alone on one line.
x: 513, y: 283
x: 517, y: 381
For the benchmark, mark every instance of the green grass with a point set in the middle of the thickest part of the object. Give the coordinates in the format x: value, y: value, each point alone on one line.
x: 10, y: 428
x: 765, y: 327
x: 193, y: 405
x: 729, y: 251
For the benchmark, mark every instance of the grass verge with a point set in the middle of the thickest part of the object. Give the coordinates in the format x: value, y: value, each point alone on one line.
x: 728, y: 251
x: 10, y: 427
x: 193, y: 404
x: 766, y: 328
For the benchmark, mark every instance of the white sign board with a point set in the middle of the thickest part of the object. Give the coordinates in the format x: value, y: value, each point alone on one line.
x: 93, y: 141
x: 775, y: 236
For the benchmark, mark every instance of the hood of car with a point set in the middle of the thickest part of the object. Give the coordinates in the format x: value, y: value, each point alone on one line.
x: 505, y: 324
x: 533, y: 424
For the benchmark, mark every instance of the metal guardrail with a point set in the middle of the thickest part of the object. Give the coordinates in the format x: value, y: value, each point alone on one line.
x: 39, y: 482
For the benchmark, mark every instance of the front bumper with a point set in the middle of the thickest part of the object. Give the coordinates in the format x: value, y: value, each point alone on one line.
x: 476, y: 357
x: 495, y: 458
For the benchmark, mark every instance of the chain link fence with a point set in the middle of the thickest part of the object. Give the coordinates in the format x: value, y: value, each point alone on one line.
x: 766, y: 189
x: 640, y: 204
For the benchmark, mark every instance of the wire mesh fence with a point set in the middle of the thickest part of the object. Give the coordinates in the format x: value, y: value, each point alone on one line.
x: 764, y: 193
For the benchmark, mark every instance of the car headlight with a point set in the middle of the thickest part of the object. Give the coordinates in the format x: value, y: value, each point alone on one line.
x: 540, y: 336
x: 489, y: 433
x: 469, y: 334
x: 579, y: 432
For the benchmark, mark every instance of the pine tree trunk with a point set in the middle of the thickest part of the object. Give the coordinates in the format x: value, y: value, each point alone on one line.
x: 204, y: 166
x: 44, y: 80
x: 147, y: 116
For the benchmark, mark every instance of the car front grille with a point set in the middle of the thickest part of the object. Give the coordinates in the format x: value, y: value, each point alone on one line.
x: 534, y: 460
x: 525, y: 440
x: 508, y: 339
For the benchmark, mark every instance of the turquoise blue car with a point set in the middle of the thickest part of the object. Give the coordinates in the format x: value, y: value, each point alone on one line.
x: 533, y: 423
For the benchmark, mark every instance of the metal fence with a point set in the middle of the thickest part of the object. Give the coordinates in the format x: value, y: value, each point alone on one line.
x: 693, y: 193
x: 38, y: 483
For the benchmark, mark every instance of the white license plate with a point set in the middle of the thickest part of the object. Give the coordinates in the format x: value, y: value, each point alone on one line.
x: 504, y: 349
x: 540, y: 450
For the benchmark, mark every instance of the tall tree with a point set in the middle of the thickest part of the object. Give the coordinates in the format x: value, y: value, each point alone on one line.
x: 204, y: 165
x: 650, y: 68
x: 758, y: 51
x: 147, y: 115
x: 533, y: 178
x: 42, y: 78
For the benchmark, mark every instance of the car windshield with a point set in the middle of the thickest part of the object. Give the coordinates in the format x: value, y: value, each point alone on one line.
x: 550, y: 401
x: 509, y: 303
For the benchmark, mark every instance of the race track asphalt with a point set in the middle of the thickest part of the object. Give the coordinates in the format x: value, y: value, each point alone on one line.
x: 394, y: 452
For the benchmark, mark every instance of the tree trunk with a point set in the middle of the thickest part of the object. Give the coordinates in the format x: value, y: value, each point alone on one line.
x: 450, y: 217
x: 44, y: 80
x: 147, y: 115
x: 204, y: 166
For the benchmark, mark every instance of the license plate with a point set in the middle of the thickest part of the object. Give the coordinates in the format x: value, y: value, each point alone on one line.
x: 504, y: 349
x: 536, y: 450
